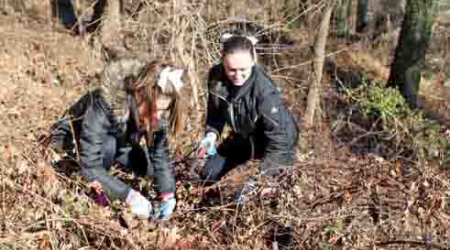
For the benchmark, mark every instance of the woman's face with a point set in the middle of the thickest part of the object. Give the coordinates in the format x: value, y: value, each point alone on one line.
x: 162, y: 105
x: 238, y: 66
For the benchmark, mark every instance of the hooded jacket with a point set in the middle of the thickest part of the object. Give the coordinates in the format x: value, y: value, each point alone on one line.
x: 253, y: 110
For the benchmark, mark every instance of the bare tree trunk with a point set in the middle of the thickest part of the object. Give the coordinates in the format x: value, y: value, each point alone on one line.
x: 342, y: 17
x: 350, y: 18
x: 409, y: 59
x: 110, y: 35
x: 389, y: 16
x: 231, y: 7
x: 315, y: 88
x: 13, y: 5
x: 180, y: 40
x: 273, y: 10
x: 361, y: 16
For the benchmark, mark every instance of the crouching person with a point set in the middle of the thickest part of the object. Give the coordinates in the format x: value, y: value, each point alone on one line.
x: 242, y: 95
x: 137, y: 102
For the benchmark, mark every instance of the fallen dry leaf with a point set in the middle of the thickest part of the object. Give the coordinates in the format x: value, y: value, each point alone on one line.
x: 348, y: 197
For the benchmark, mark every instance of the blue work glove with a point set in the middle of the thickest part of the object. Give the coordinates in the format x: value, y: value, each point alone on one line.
x: 166, y: 208
x: 208, y: 145
x: 140, y: 206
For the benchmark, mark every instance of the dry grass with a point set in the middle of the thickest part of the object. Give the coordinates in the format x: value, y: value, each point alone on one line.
x: 337, y: 199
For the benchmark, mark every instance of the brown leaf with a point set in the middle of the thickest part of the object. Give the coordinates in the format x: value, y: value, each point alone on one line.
x: 48, y: 172
x: 7, y: 155
x: 169, y: 238
x: 398, y: 167
x: 436, y: 200
x: 43, y: 241
x: 184, y: 244
x: 348, y: 197
x: 26, y: 182
x: 217, y: 225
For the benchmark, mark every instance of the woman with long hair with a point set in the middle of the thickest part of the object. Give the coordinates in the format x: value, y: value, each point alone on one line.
x: 126, y: 121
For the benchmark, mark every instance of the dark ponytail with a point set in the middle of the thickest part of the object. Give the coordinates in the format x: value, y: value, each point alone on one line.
x: 237, y: 44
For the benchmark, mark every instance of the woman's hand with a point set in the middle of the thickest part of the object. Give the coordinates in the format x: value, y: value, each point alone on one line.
x: 140, y: 206
x: 207, y: 145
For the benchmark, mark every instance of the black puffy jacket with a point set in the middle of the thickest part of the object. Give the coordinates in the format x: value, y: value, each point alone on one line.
x: 104, y: 127
x: 254, y: 110
x: 100, y: 139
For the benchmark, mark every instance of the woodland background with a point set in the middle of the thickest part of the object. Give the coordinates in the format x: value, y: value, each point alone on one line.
x: 372, y: 172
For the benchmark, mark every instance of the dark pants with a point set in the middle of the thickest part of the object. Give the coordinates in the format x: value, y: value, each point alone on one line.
x: 237, y: 150
x: 136, y: 159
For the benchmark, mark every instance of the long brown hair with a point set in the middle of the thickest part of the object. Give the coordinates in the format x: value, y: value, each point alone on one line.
x: 146, y: 92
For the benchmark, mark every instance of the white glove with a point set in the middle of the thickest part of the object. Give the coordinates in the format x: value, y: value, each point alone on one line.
x: 140, y: 206
x: 209, y: 144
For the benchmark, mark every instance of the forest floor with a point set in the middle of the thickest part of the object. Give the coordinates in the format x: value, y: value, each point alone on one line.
x: 338, y: 199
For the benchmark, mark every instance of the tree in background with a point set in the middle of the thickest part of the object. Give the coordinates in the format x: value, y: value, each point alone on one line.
x: 361, y: 16
x: 111, y: 26
x: 315, y: 88
x: 412, y: 45
x: 388, y: 17
x: 343, y: 12
x: 65, y: 12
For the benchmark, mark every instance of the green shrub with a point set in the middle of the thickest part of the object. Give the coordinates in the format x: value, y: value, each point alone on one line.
x: 406, y: 130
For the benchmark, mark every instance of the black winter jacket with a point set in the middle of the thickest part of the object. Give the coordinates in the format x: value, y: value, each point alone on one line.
x: 254, y: 110
x: 100, y: 138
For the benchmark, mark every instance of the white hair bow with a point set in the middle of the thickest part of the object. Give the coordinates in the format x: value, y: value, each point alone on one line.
x: 227, y: 36
x: 252, y: 39
x: 171, y: 75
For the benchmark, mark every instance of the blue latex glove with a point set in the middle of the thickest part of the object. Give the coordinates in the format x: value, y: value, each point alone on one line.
x: 209, y: 144
x: 140, y: 206
x: 165, y: 209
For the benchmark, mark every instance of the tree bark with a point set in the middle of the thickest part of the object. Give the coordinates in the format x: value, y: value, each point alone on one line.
x: 349, y: 13
x: 341, y: 17
x: 361, y: 19
x: 179, y: 32
x: 409, y: 59
x: 315, y: 88
x: 111, y: 24
x: 389, y: 16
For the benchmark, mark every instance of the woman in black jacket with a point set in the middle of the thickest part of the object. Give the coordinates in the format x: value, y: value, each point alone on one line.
x: 241, y: 94
x: 134, y: 101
